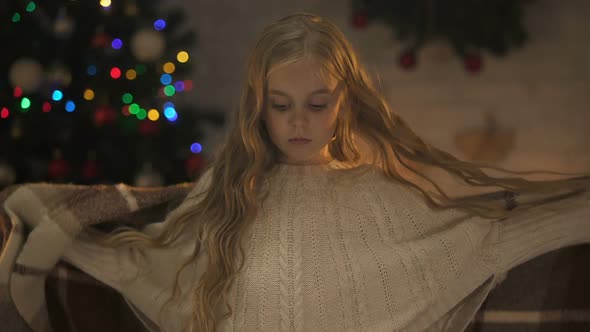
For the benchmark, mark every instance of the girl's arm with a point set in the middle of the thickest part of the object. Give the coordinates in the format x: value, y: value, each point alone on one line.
x: 525, y: 237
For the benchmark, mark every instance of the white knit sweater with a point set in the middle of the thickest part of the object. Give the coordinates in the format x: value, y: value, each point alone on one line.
x: 338, y: 249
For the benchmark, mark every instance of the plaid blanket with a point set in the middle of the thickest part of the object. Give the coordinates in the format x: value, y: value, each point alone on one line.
x: 39, y: 292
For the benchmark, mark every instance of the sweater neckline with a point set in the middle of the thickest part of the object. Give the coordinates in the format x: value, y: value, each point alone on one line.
x: 310, y: 169
x: 305, y: 169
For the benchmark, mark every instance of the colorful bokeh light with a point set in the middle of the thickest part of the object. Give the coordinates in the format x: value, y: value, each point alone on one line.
x: 57, y: 95
x: 159, y: 24
x: 131, y: 74
x: 133, y: 108
x: 70, y: 106
x: 25, y: 103
x: 169, y: 67
x: 31, y: 6
x: 116, y: 43
x: 91, y: 70
x: 17, y: 92
x: 182, y: 56
x: 169, y: 90
x: 88, y: 94
x: 165, y: 79
x: 127, y: 98
x: 115, y: 73
x: 153, y: 114
x: 196, y: 148
x: 4, y: 113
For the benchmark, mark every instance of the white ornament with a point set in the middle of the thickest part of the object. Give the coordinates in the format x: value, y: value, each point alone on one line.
x: 63, y: 26
x: 60, y: 74
x: 148, y: 45
x: 26, y: 73
x: 148, y: 177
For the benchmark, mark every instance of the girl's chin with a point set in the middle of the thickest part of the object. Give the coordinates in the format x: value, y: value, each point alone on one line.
x: 306, y: 161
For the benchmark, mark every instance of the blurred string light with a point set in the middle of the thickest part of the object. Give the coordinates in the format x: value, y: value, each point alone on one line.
x: 196, y: 148
x: 131, y: 74
x: 141, y: 114
x: 115, y: 73
x: 116, y: 43
x: 70, y: 106
x: 88, y: 94
x: 91, y: 70
x: 153, y: 114
x: 125, y: 110
x: 46, y: 107
x: 105, y: 3
x: 179, y: 86
x: 141, y: 69
x: 127, y: 98
x: 182, y: 56
x: 16, y: 18
x: 4, y: 113
x: 170, y: 111
x: 17, y: 92
x: 31, y: 6
x: 57, y: 95
x: 25, y: 103
x: 169, y: 90
x: 169, y: 67
x: 133, y: 108
x: 159, y: 24
x: 165, y: 79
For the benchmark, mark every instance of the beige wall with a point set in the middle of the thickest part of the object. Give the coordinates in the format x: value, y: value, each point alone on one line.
x: 542, y: 92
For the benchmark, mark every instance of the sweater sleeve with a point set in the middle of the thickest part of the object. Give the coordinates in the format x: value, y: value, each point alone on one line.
x: 525, y: 237
x: 116, y: 267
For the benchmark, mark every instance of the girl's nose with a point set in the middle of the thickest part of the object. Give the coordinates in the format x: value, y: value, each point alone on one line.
x: 299, y: 117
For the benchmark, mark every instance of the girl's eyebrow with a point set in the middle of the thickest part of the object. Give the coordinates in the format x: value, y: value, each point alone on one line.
x: 318, y: 91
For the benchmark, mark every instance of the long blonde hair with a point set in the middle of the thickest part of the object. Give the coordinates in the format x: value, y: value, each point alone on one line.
x: 230, y: 203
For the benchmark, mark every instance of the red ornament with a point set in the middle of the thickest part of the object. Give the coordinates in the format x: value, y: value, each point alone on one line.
x: 58, y: 168
x: 360, y: 19
x: 194, y: 164
x: 90, y: 169
x: 407, y: 60
x: 149, y: 128
x: 104, y: 115
x: 100, y: 40
x: 473, y: 63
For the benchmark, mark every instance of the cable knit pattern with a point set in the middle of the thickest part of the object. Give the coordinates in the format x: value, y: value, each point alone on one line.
x: 334, y: 249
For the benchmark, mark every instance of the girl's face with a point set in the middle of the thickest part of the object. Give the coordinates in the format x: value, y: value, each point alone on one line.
x: 301, y: 104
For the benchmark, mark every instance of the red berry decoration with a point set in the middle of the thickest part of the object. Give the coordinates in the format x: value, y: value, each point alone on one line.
x: 408, y: 60
x: 90, y: 169
x: 360, y: 19
x: 149, y: 128
x: 104, y: 115
x: 473, y: 63
x: 100, y: 40
x: 58, y: 168
x: 193, y: 164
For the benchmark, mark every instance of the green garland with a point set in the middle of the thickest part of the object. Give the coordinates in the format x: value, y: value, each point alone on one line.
x: 469, y: 26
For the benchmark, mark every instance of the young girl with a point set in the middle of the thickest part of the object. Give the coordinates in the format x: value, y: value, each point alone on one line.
x: 316, y: 215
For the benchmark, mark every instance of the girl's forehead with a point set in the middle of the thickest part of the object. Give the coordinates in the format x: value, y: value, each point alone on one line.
x: 301, y: 72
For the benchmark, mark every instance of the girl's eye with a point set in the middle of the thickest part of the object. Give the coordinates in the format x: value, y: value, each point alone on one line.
x: 319, y: 106
x: 279, y: 107
x: 283, y: 107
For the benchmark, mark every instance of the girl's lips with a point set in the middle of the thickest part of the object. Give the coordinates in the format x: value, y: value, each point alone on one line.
x: 299, y: 141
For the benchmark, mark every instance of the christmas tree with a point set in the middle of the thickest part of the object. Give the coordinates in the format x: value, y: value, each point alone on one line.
x: 92, y: 92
